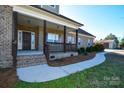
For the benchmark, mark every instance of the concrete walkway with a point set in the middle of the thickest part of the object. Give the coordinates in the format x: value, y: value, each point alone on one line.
x: 43, y: 73
x: 117, y: 51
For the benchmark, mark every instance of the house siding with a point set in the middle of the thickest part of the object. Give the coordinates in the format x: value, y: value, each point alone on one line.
x: 72, y: 35
x: 6, y: 14
x: 59, y: 32
x: 84, y: 41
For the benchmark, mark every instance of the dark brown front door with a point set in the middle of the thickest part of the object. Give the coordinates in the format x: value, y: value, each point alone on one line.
x: 26, y: 41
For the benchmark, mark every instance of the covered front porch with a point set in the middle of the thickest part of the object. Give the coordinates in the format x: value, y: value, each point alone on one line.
x: 40, y: 40
x: 60, y: 43
x: 38, y: 37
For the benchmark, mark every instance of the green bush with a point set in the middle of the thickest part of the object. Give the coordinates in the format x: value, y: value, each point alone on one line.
x: 122, y: 45
x: 98, y: 47
x: 89, y: 49
x: 81, y: 50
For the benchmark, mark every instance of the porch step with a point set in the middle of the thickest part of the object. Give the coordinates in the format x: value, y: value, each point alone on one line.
x: 30, y: 60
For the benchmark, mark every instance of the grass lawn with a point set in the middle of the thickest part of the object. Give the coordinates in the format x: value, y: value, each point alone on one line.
x: 108, y: 74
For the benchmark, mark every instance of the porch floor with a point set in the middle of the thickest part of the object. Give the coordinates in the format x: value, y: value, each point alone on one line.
x: 25, y: 53
x: 43, y: 73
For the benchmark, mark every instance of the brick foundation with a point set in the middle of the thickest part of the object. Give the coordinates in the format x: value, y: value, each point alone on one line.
x: 30, y: 60
x: 6, y: 59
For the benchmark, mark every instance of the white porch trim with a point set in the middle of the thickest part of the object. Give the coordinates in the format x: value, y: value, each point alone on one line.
x: 27, y: 53
x: 82, y: 35
x: 43, y: 15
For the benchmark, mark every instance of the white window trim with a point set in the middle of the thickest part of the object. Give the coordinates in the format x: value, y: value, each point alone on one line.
x: 79, y: 40
x: 89, y: 42
x: 32, y: 36
x: 55, y: 37
x: 21, y: 39
x: 71, y: 39
x: 20, y: 44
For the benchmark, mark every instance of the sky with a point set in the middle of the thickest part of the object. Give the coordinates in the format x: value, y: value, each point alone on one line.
x: 98, y: 20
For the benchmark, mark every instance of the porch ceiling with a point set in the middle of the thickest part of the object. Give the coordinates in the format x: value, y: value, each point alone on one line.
x: 37, y: 13
x: 27, y: 20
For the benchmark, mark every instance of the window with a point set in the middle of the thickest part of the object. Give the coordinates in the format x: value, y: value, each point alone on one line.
x: 79, y: 41
x: 70, y: 39
x: 53, y: 37
x: 19, y: 39
x: 89, y: 43
x: 52, y: 6
x: 32, y: 40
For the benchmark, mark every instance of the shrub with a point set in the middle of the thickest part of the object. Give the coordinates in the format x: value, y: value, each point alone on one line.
x: 122, y: 45
x: 85, y: 52
x: 98, y: 47
x: 81, y: 50
x: 89, y: 49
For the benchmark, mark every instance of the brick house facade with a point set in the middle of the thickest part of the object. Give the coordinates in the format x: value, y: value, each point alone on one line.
x: 6, y: 30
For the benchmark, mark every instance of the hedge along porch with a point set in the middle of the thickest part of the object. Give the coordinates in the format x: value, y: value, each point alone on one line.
x: 35, y: 35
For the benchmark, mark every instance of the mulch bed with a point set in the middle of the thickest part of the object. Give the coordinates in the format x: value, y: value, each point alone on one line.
x: 8, y: 77
x: 71, y: 60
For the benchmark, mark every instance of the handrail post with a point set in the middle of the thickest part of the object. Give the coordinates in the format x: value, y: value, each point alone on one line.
x: 14, y: 38
x: 64, y: 45
x: 76, y: 39
x: 45, y: 33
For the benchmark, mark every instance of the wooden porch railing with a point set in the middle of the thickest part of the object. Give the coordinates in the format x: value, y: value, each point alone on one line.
x: 55, y: 47
x: 59, y: 47
x: 71, y: 47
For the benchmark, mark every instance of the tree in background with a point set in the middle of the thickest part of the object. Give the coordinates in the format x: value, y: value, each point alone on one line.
x: 122, y: 43
x: 112, y: 37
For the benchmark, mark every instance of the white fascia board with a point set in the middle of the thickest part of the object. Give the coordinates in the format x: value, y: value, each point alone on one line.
x: 43, y: 15
x: 82, y: 35
x: 86, y: 36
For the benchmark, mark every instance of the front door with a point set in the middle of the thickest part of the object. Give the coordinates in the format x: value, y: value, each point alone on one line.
x: 26, y: 41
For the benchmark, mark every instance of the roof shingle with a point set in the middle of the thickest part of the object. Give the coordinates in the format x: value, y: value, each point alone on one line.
x: 81, y: 31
